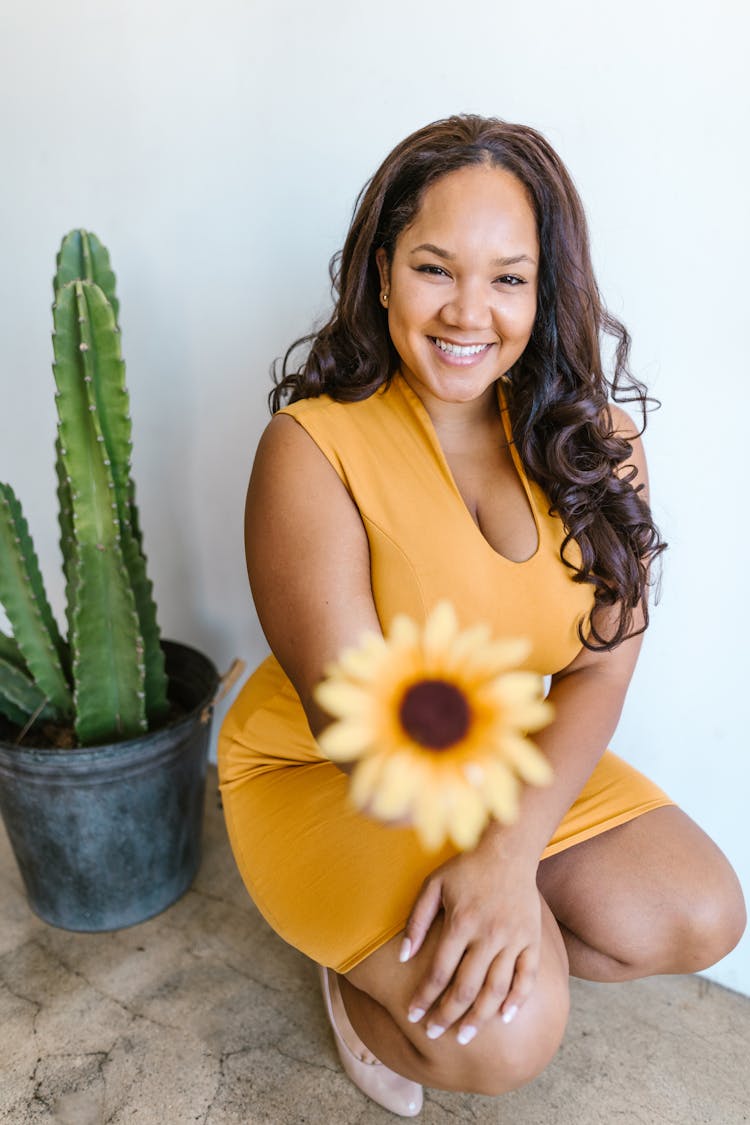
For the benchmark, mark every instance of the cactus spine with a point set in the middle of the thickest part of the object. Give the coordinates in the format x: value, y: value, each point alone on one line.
x: 118, y: 678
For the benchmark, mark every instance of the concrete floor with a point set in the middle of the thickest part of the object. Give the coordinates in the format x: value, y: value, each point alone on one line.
x: 204, y: 1015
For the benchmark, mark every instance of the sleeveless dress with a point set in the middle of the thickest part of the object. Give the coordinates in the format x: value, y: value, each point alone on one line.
x: 332, y: 882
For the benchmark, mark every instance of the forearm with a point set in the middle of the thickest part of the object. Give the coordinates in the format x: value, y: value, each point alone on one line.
x: 587, y: 709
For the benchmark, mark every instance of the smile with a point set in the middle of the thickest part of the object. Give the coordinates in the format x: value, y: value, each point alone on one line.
x: 457, y: 349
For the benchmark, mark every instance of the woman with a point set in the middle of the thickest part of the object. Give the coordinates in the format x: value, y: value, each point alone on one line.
x: 450, y: 435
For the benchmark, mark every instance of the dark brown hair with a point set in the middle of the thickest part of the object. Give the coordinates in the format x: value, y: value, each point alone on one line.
x: 557, y: 392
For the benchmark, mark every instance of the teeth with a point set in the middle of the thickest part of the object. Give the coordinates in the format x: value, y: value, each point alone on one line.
x: 456, y: 349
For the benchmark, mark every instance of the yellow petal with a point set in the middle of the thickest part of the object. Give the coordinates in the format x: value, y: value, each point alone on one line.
x: 427, y: 812
x: 530, y: 716
x: 498, y: 656
x: 343, y: 699
x: 403, y: 632
x: 365, y: 662
x: 459, y: 656
x: 501, y: 790
x: 538, y: 716
x: 439, y: 631
x: 517, y: 687
x: 364, y: 779
x: 528, y: 762
x: 396, y: 786
x: 474, y: 773
x: 344, y: 741
x: 467, y: 817
x: 429, y: 826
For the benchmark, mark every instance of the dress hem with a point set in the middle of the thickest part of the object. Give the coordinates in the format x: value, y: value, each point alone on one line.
x: 579, y: 837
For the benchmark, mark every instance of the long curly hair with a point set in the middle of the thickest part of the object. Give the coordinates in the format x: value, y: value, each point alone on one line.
x: 558, y: 392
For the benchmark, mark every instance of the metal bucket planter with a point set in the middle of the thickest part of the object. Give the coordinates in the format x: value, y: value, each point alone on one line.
x: 109, y: 836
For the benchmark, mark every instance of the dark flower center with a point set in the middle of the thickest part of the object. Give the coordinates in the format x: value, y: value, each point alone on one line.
x: 435, y: 714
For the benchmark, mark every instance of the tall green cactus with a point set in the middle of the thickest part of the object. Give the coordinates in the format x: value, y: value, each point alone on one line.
x: 117, y: 670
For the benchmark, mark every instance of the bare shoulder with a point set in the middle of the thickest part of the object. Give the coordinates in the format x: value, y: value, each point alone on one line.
x: 625, y: 427
x: 307, y: 555
x: 623, y: 422
x: 288, y: 467
x: 285, y: 441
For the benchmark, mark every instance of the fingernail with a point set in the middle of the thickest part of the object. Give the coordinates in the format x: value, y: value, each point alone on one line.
x: 434, y: 1031
x: 404, y: 952
x: 509, y: 1013
x: 466, y: 1034
x: 415, y: 1015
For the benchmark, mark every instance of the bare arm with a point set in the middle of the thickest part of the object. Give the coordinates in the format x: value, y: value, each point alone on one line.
x: 308, y: 558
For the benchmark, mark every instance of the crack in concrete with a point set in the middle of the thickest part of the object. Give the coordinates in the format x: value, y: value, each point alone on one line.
x: 304, y: 1062
x: 223, y: 1057
x: 36, y: 1095
x: 133, y: 1013
x: 458, y: 1114
x: 35, y: 1004
x: 102, y: 1057
x: 214, y: 898
x: 215, y: 959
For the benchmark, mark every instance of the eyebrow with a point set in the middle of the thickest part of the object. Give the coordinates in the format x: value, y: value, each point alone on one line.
x: 446, y: 254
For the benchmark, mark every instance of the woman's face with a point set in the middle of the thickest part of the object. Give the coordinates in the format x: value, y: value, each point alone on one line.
x: 462, y: 284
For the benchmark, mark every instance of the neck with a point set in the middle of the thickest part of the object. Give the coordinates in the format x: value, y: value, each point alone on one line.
x: 457, y: 417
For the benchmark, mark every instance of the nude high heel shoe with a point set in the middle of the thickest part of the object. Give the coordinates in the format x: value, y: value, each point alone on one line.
x: 398, y: 1094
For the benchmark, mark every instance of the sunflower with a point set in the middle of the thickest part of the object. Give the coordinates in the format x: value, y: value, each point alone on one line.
x: 436, y: 720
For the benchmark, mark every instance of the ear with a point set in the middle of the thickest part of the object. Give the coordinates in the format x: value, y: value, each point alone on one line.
x: 384, y: 269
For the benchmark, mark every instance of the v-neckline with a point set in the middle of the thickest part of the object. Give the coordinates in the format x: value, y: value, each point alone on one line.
x: 429, y: 427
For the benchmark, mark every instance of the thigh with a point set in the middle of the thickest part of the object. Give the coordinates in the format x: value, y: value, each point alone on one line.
x: 655, y: 892
x: 502, y: 1056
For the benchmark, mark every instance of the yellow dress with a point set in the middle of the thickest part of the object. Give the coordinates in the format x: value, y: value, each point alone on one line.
x: 332, y: 882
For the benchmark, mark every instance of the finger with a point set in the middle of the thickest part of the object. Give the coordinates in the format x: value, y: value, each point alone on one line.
x: 460, y: 995
x: 491, y: 996
x: 443, y: 963
x: 423, y: 914
x: 524, y: 979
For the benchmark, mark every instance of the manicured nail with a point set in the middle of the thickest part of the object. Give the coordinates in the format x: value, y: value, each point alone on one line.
x: 434, y: 1031
x: 509, y: 1013
x: 466, y: 1034
x: 404, y: 952
x: 415, y: 1015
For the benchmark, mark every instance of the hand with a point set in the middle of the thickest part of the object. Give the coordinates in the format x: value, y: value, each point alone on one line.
x: 487, y: 953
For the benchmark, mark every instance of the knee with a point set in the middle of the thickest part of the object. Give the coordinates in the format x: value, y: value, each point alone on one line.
x: 512, y: 1055
x: 711, y: 925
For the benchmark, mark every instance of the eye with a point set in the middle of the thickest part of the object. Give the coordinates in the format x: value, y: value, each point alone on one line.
x: 510, y: 279
x: 433, y: 271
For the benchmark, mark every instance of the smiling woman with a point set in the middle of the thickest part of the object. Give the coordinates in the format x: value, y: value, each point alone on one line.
x: 451, y: 434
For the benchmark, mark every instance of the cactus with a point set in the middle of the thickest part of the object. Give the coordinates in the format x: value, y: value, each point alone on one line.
x: 114, y: 663
x: 25, y: 601
x: 20, y: 698
x: 82, y: 257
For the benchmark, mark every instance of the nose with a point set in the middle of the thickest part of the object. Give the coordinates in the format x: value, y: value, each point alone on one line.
x: 468, y: 306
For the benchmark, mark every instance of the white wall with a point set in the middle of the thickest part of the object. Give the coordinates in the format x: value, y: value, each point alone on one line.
x: 217, y: 151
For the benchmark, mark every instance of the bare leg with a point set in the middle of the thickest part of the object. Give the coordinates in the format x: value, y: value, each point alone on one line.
x: 655, y: 895
x: 501, y: 1058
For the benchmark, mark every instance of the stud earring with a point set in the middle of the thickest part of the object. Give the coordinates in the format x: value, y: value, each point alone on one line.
x: 384, y: 297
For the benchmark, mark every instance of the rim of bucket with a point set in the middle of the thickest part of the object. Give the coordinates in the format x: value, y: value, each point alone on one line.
x: 11, y: 754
